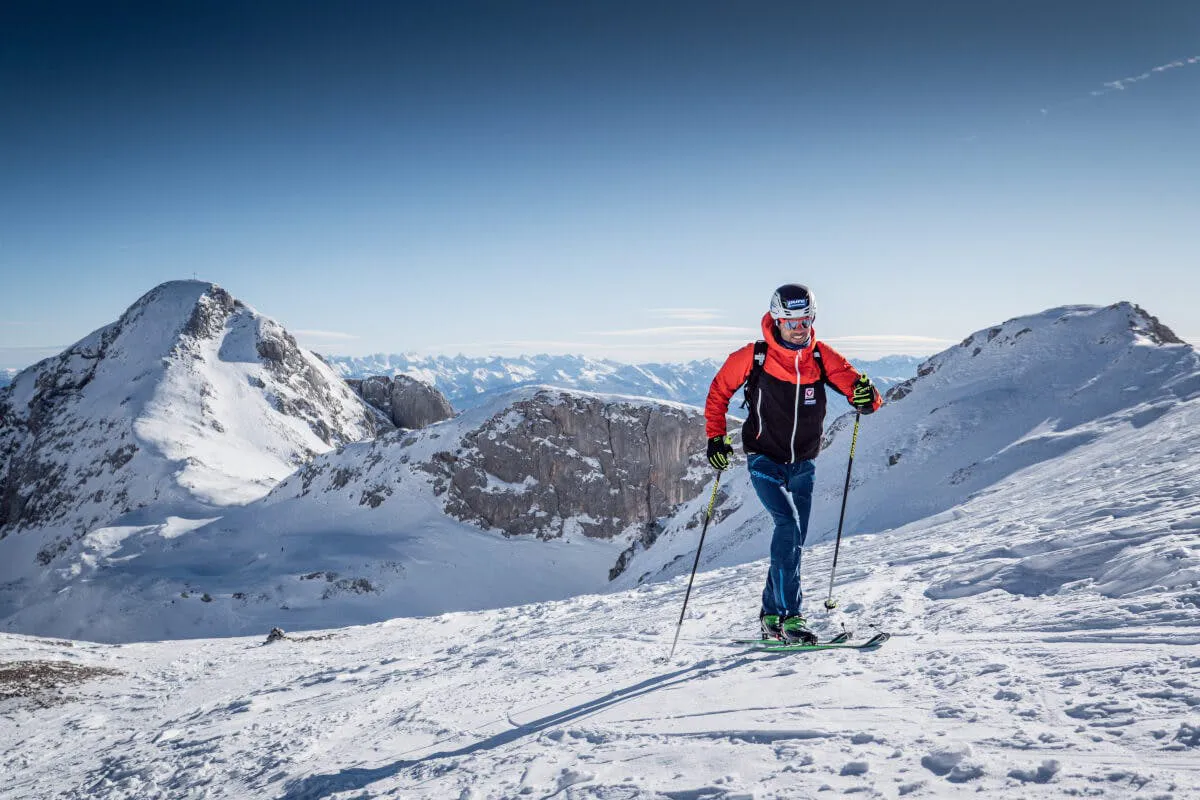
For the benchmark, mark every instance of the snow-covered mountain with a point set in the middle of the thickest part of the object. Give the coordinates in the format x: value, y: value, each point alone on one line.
x: 1032, y: 391
x: 6, y: 376
x: 190, y: 402
x: 1046, y: 633
x: 542, y: 494
x: 537, y: 495
x: 468, y: 382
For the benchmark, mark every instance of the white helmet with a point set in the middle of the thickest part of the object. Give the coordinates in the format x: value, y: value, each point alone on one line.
x: 793, y: 301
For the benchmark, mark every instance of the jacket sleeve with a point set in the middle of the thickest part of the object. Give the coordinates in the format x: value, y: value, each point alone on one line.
x: 841, y: 375
x: 729, y: 379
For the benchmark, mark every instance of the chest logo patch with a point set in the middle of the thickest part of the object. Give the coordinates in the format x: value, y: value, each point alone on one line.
x: 810, y: 396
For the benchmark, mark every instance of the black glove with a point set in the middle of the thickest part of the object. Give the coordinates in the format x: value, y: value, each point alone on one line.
x: 719, y: 451
x: 863, y: 395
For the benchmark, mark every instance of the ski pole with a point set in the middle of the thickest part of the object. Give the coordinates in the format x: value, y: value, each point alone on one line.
x: 830, y: 603
x: 707, y: 518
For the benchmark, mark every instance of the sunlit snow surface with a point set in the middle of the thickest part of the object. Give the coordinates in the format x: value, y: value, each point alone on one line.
x: 1050, y: 653
x: 996, y: 691
x: 1045, y: 612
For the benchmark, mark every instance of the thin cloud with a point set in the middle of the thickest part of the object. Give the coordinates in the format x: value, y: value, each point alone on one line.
x: 681, y: 330
x: 530, y: 345
x: 663, y: 350
x: 687, y: 314
x: 1117, y: 85
x: 1123, y: 83
x: 890, y: 338
x: 328, y: 336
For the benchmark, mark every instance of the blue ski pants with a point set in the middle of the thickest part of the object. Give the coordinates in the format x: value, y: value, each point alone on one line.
x: 774, y: 483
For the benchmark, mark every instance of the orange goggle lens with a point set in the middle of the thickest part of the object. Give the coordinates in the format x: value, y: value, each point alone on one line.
x: 793, y: 324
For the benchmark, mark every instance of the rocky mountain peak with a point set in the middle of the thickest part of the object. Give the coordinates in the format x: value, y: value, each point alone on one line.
x: 191, y: 396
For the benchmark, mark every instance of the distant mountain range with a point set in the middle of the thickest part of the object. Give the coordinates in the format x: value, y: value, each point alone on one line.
x: 470, y: 382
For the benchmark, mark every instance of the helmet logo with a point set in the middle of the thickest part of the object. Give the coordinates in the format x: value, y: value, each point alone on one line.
x: 801, y: 302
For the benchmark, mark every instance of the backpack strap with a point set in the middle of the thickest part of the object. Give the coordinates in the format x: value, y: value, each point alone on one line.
x: 756, y: 368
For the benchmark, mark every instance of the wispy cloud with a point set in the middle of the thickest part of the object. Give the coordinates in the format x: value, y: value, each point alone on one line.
x: 1119, y: 85
x: 695, y: 341
x: 677, y: 330
x: 561, y: 346
x: 892, y: 338
x: 687, y: 314
x: 1123, y: 83
x: 898, y: 344
x: 326, y: 336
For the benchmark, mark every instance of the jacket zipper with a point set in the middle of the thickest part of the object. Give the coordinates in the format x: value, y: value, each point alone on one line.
x: 796, y: 412
x: 758, y: 411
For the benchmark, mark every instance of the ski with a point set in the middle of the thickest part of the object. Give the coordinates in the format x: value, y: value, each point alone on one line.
x: 772, y: 646
x: 844, y: 636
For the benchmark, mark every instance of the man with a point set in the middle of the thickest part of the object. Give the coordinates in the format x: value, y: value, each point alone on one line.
x: 782, y: 435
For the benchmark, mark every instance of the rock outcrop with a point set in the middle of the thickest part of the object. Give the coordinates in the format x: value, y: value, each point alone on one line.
x: 563, y: 462
x: 406, y: 401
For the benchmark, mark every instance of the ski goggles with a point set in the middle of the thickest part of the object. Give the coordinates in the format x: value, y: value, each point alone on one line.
x: 793, y: 324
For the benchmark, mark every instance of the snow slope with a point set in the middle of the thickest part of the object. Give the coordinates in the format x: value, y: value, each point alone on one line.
x: 1052, y: 655
x: 359, y: 535
x: 1036, y: 389
x: 1046, y: 637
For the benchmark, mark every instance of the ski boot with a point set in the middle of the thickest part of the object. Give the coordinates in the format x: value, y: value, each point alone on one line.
x: 770, y: 625
x: 795, y: 630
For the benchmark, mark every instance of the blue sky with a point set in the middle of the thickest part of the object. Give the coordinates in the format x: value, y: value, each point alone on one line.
x: 617, y: 179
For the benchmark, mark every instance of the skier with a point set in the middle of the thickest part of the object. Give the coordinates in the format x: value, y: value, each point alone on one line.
x: 785, y: 377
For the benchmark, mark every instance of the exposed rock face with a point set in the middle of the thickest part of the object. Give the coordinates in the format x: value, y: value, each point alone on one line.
x: 190, y: 396
x: 560, y: 462
x: 416, y: 404
x: 404, y: 400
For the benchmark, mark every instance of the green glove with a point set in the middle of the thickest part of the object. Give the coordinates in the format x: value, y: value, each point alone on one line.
x: 719, y: 451
x: 863, y: 395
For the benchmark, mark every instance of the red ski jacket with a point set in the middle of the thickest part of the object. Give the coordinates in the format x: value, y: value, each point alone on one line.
x: 787, y: 410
